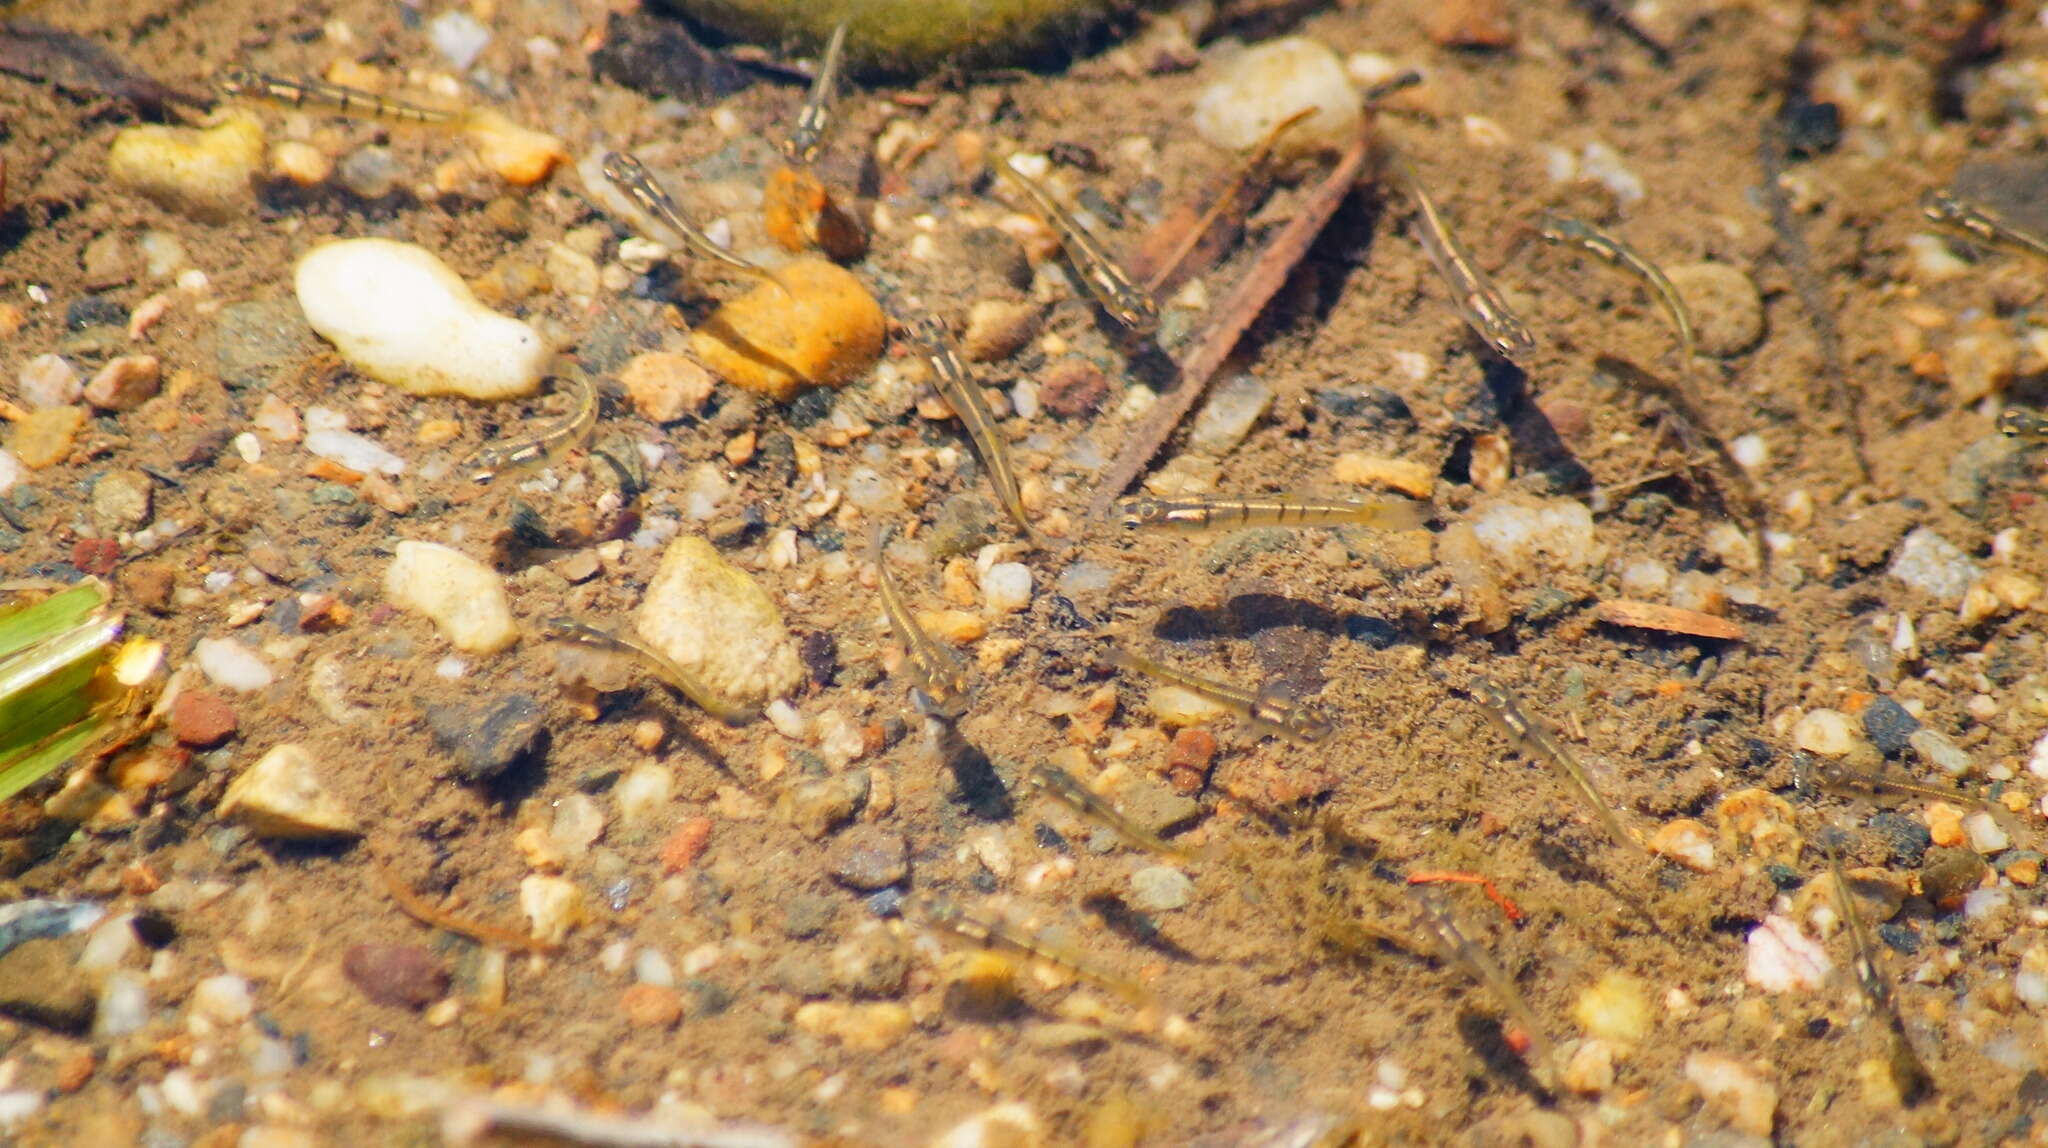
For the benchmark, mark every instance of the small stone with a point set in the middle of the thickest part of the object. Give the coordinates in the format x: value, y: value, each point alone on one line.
x: 1826, y: 732
x: 964, y: 523
x: 553, y: 906
x: 1888, y: 725
x: 44, y: 437
x: 121, y: 500
x: 1471, y: 24
x: 223, y: 999
x: 1944, y: 824
x: 1407, y: 476
x: 1591, y: 1068
x: 1233, y: 408
x: 149, y: 582
x: 1727, y: 309
x: 276, y: 420
x: 1938, y: 751
x: 818, y: 807
x: 519, y: 155
x: 1160, y: 889
x: 231, y: 665
x: 402, y: 976
x: 48, y: 381
x: 1264, y: 85
x: 464, y: 598
x: 1933, y: 565
x: 685, y: 845
x: 997, y: 329
x: 664, y: 385
x: 370, y: 172
x: 643, y: 794
x: 1949, y: 874
x: 1985, y: 834
x: 716, y: 622
x: 870, y: 858
x: 816, y: 324
x: 1615, y: 1008
x: 1687, y: 842
x: 202, y: 718
x: 1010, y: 1125
x: 203, y: 172
x: 486, y: 738
x: 1781, y: 958
x: 1980, y: 363
x: 651, y: 1006
x: 1072, y: 388
x: 40, y: 982
x: 1193, y: 748
x: 301, y: 163
x: 873, y: 964
x: 1176, y: 707
x: 125, y: 383
x: 282, y: 796
x: 260, y: 343
x: 1748, y: 1103
x: 1006, y: 587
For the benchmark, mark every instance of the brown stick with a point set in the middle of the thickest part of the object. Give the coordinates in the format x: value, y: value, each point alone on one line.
x: 427, y: 913
x: 1233, y: 317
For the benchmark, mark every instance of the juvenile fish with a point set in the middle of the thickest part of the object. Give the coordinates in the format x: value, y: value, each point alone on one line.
x: 1191, y: 515
x: 1978, y: 225
x: 1909, y: 1073
x: 319, y: 95
x: 939, y: 674
x: 957, y: 387
x: 1535, y: 739
x: 545, y: 446
x: 1484, y: 309
x: 1269, y: 709
x: 815, y: 118
x: 1125, y: 301
x: 1480, y: 965
x: 1067, y: 789
x: 993, y: 930
x: 682, y: 681
x: 632, y: 178
x: 2031, y: 426
x: 1857, y: 783
x: 1613, y: 252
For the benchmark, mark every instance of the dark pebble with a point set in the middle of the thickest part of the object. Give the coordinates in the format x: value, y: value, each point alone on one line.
x: 1908, y: 839
x: 820, y: 653
x: 1358, y: 401
x: 39, y: 982
x: 1374, y: 632
x: 707, y: 998
x: 1072, y: 388
x: 886, y: 902
x: 869, y: 858
x: 486, y: 738
x: 1949, y: 874
x: 987, y: 251
x: 257, y: 344
x: 963, y: 524
x: 403, y: 976
x: 660, y: 58
x: 1811, y: 128
x: 1887, y: 724
x: 95, y: 311
x: 808, y: 407
x: 776, y: 458
x: 829, y: 539
x: 806, y: 915
x: 1784, y: 876
x: 1903, y: 939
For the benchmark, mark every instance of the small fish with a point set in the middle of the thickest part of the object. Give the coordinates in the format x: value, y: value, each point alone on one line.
x: 543, y: 447
x: 682, y: 681
x: 1067, y: 789
x: 1535, y: 739
x: 995, y: 931
x: 1856, y: 783
x: 1125, y: 301
x: 1909, y: 1073
x: 939, y: 674
x: 1613, y: 252
x: 633, y: 180
x: 1480, y: 965
x: 1484, y: 308
x: 815, y: 118
x: 1192, y: 515
x: 2015, y: 422
x: 1269, y: 708
x: 249, y: 84
x: 958, y: 388
x: 1978, y: 225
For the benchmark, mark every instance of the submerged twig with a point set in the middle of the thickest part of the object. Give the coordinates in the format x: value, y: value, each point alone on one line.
x: 1234, y: 316
x: 427, y: 913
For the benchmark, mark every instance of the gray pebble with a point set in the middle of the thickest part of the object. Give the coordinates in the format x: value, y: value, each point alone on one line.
x: 818, y: 807
x: 257, y: 344
x: 1233, y: 409
x: 486, y: 738
x: 806, y: 915
x: 869, y: 858
x: 964, y: 523
x: 1888, y: 726
x: 1160, y: 889
x: 403, y: 976
x: 1933, y: 565
x: 121, y: 500
x: 870, y: 965
x: 1727, y: 309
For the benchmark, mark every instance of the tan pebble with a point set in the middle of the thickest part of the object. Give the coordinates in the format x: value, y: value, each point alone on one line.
x: 1615, y: 1008
x: 1591, y: 1068
x: 800, y: 211
x: 443, y: 1013
x: 651, y: 1006
x: 1742, y: 1098
x: 434, y: 432
x: 537, y: 846
x: 1176, y: 707
x: 2014, y: 590
x: 827, y: 329
x: 352, y: 73
x: 648, y: 735
x: 12, y: 319
x: 385, y: 494
x: 125, y: 383
x: 955, y: 626
x: 44, y: 437
x: 520, y: 156
x: 202, y: 172
x: 957, y: 583
x: 1759, y: 823
x: 875, y: 1027
x: 1492, y: 462
x: 149, y: 313
x: 997, y: 329
x: 283, y: 796
x: 1980, y: 363
x: 2025, y: 872
x: 665, y: 385
x: 553, y: 905
x: 1944, y: 823
x: 1404, y: 475
x: 1727, y: 309
x: 739, y: 449
x: 1471, y: 24
x: 1687, y: 842
x: 301, y: 163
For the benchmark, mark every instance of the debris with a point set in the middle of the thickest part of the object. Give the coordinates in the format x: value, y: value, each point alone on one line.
x: 1670, y: 619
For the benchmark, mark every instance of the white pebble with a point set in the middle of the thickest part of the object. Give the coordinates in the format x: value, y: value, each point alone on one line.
x: 1825, y: 732
x: 641, y: 255
x: 786, y: 720
x: 1024, y: 397
x: 450, y: 668
x: 1265, y: 84
x: 650, y: 967
x: 401, y: 315
x: 1781, y: 958
x: 1603, y: 165
x: 458, y: 37
x: 163, y: 254
x: 1985, y: 834
x: 224, y: 999
x: 2032, y: 988
x: 1006, y: 586
x: 184, y: 1092
x: 2037, y: 762
x: 11, y: 471
x: 1749, y: 451
x: 1160, y: 888
x: 643, y: 793
x: 123, y: 1006
x: 1560, y: 530
x: 251, y: 450
x: 1646, y: 578
x: 231, y: 665
x: 1932, y: 564
x: 48, y: 381
x: 464, y: 598
x: 577, y: 826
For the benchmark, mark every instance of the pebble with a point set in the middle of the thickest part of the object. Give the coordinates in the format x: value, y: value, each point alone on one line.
x: 651, y: 1006
x: 39, y: 981
x: 1559, y: 531
x: 1985, y: 834
x: 485, y: 738
x: 458, y: 37
x: 1233, y: 408
x: 163, y: 254
x: 44, y: 437
x: 1160, y: 889
x: 1615, y: 1008
x: 872, y: 964
x: 125, y: 383
x: 301, y: 163
x: 663, y: 386
x: 1006, y: 587
x: 202, y: 718
x: 402, y: 976
x: 283, y: 796
x: 12, y: 472
x: 464, y: 598
x: 1591, y: 1068
x: 1399, y: 474
x: 48, y: 381
x: 123, y: 1005
x: 1826, y: 732
x: 997, y: 329
x: 224, y: 999
x: 1687, y: 842
x: 1948, y: 874
x: 1888, y: 725
x: 643, y: 794
x: 1748, y: 1103
x: 1072, y: 388
x: 1933, y: 565
x: 1727, y: 309
x: 1980, y: 363
x: 828, y: 329
x: 1782, y: 959
x: 716, y: 622
x: 205, y: 173
x: 519, y: 155
x: 578, y: 823
x: 399, y: 314
x: 370, y: 172
x: 553, y: 906
x: 1009, y: 1125
x: 685, y: 845
x: 121, y: 500
x: 1470, y: 24
x: 1938, y: 751
x: 818, y: 807
x: 1264, y: 84
x: 260, y: 343
x: 231, y: 665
